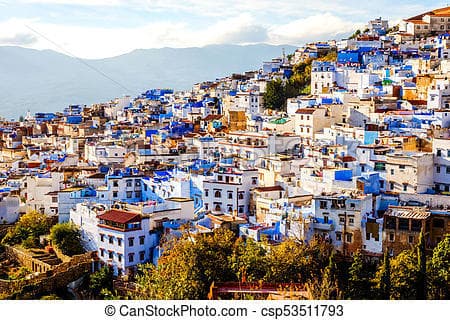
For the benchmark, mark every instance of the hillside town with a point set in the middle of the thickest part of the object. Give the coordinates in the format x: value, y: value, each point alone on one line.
x: 346, y: 142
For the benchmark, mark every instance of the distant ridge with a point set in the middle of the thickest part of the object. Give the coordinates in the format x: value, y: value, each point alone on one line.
x: 48, y: 81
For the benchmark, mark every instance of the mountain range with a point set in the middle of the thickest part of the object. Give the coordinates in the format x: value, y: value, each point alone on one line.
x: 48, y: 81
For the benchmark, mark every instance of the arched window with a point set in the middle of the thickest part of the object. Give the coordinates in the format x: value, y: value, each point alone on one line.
x: 217, y: 194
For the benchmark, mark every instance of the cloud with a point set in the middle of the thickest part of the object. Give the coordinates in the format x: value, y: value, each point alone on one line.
x: 187, y: 23
x: 19, y: 39
x: 100, y: 42
x: 75, y: 2
x: 317, y: 27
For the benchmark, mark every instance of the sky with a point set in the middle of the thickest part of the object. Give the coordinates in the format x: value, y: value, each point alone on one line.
x: 104, y: 28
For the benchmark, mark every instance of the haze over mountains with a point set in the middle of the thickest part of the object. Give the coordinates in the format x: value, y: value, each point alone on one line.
x: 47, y: 81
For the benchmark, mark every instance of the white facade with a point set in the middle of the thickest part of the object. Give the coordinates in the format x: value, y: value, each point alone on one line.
x: 41, y: 192
x: 9, y: 209
x: 99, y: 153
x: 441, y: 153
x: 229, y: 191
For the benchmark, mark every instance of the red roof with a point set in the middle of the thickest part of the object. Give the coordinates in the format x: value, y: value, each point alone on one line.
x: 211, y: 117
x: 305, y: 111
x: 267, y: 189
x: 120, y: 216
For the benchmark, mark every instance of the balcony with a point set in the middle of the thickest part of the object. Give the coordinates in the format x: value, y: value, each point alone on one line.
x: 323, y: 226
x: 319, y: 224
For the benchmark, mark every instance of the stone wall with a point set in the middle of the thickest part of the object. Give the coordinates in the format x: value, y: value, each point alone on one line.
x: 26, y: 259
x: 48, y: 282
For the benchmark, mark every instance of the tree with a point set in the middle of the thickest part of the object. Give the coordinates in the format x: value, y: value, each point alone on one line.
x: 358, y: 284
x: 383, y: 278
x: 188, y: 268
x: 66, y: 236
x: 29, y: 227
x: 404, y: 275
x: 100, y: 280
x: 249, y: 261
x: 274, y: 97
x: 355, y: 34
x: 287, y: 262
x: 439, y: 271
x: 422, y: 266
x: 328, y: 287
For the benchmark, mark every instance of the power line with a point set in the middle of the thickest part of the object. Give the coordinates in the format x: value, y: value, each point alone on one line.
x: 79, y: 59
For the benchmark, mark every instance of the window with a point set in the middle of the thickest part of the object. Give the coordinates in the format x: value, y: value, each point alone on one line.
x: 351, y: 221
x: 349, y: 237
x: 241, y: 195
x: 142, y: 255
x: 115, y: 183
x: 254, y: 180
x: 403, y: 224
x: 438, y: 169
x: 405, y: 187
x: 352, y: 205
x: 129, y: 183
x: 338, y: 236
x: 439, y: 152
x: 411, y: 239
x: 230, y: 194
x: 391, y: 236
x: 323, y: 205
x: 114, y: 194
x: 119, y: 242
x: 416, y: 225
x: 138, y: 194
x: 438, y: 223
x: 141, y: 240
x: 241, y: 209
x: 130, y: 242
x: 341, y: 220
x: 402, y: 166
x: 119, y: 257
x: 110, y: 255
x: 206, y: 192
x: 111, y: 239
x: 219, y: 178
x: 325, y: 219
x: 448, y: 153
x: 391, y: 186
x: 102, y: 237
x: 217, y: 194
x: 392, y: 171
x: 206, y: 206
x: 129, y: 194
x: 381, y: 184
x: 447, y: 170
x: 131, y: 257
x: 137, y: 183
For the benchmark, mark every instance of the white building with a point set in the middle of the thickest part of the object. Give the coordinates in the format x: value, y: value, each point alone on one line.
x: 42, y: 192
x: 9, y: 208
x: 441, y: 153
x: 228, y: 191
x: 127, y: 235
x: 410, y: 172
x: 104, y: 153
